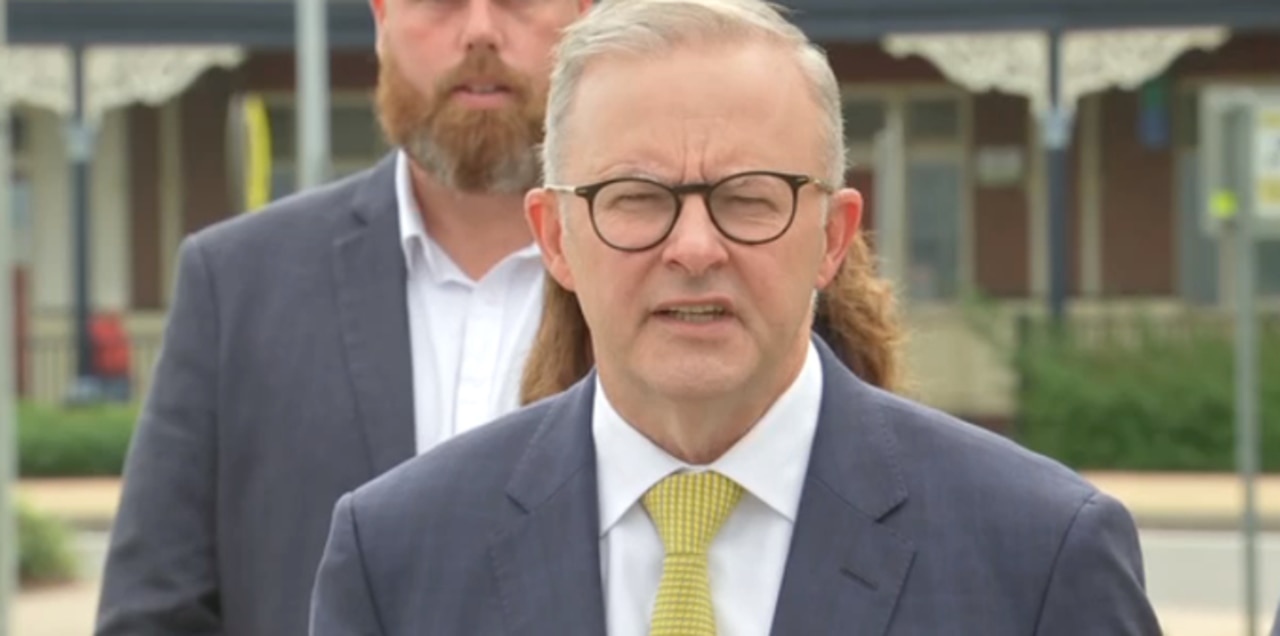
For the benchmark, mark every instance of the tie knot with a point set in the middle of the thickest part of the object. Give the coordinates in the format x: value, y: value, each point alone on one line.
x: 690, y: 508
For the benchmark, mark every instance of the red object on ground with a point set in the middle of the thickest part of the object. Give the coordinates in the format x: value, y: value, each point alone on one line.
x: 110, y: 346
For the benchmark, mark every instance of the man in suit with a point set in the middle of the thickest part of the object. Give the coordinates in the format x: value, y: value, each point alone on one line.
x: 719, y: 471
x: 319, y: 342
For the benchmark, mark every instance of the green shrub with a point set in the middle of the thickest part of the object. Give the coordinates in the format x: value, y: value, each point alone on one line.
x: 73, y: 441
x: 45, y: 556
x: 1150, y: 400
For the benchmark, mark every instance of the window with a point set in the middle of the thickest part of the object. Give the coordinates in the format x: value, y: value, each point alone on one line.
x: 18, y: 133
x: 934, y: 207
x: 933, y: 119
x: 863, y: 120
x: 355, y: 141
x: 1186, y: 119
x: 927, y: 202
x: 20, y: 216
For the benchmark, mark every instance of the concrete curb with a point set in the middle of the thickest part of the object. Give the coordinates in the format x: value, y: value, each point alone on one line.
x: 1167, y: 501
x: 1151, y: 521
x: 1202, y: 523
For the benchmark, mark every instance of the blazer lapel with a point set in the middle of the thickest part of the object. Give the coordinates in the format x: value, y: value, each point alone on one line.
x: 369, y: 274
x: 846, y: 570
x: 547, y: 561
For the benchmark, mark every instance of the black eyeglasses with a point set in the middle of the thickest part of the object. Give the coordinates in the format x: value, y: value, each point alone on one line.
x: 633, y: 214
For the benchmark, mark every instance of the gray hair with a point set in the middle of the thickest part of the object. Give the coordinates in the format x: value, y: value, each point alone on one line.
x: 645, y: 27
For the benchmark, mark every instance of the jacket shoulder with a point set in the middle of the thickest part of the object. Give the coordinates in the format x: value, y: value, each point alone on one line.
x: 962, y: 455
x: 471, y: 467
x: 296, y: 219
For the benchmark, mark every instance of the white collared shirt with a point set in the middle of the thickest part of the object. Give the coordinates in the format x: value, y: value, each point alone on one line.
x: 469, y: 338
x: 748, y: 556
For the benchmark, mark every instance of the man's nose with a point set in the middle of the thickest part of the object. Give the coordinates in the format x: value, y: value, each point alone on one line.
x: 481, y: 27
x: 695, y: 244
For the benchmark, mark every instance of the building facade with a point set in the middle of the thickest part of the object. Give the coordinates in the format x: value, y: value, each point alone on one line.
x: 954, y: 173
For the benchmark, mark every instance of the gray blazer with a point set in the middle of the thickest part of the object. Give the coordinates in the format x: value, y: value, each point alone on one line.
x: 910, y: 523
x: 285, y: 380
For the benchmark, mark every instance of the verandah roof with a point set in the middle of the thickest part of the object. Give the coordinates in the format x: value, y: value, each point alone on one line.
x: 269, y: 23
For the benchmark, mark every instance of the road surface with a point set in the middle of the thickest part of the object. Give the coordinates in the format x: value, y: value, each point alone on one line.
x: 1194, y: 580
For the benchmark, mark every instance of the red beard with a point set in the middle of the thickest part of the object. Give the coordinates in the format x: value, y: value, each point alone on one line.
x: 468, y: 149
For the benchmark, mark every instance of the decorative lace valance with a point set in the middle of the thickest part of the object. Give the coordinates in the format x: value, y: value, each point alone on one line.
x: 1018, y: 62
x: 115, y: 76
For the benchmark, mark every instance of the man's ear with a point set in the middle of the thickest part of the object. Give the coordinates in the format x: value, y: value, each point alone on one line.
x: 542, y: 211
x: 379, y: 10
x: 843, y: 221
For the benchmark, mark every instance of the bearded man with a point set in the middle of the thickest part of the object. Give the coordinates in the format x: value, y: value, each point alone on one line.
x: 339, y: 332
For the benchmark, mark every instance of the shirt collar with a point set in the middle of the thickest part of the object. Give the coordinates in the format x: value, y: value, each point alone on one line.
x: 769, y: 462
x: 411, y: 230
x: 414, y: 238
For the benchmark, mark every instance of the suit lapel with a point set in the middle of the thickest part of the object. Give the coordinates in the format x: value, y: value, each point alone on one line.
x: 369, y: 274
x: 846, y: 569
x: 547, y: 560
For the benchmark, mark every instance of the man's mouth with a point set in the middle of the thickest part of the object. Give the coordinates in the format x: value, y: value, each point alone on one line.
x: 695, y: 313
x: 482, y: 89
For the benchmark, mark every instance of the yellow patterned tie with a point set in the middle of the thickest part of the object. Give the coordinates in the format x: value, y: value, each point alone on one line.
x: 688, y: 510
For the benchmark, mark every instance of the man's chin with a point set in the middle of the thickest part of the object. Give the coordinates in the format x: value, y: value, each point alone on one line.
x: 506, y: 173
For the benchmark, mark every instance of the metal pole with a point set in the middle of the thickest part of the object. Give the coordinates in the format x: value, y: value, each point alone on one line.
x: 312, y: 97
x: 1057, y: 139
x: 890, y: 190
x: 8, y: 419
x: 80, y: 150
x: 1241, y: 155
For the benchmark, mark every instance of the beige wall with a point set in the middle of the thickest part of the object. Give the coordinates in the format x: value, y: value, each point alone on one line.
x: 51, y: 199
x: 170, y: 196
x: 110, y: 196
x: 952, y: 367
x: 51, y: 222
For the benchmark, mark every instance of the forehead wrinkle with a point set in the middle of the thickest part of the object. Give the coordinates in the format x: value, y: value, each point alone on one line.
x: 675, y: 138
x: 692, y: 151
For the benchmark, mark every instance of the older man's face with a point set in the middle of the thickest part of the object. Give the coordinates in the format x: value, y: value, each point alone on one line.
x: 462, y: 84
x: 697, y: 315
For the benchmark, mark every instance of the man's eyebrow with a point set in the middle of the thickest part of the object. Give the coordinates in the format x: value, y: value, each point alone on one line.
x: 642, y: 170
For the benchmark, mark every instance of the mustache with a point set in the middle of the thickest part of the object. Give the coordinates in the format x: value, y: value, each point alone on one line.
x: 483, y: 66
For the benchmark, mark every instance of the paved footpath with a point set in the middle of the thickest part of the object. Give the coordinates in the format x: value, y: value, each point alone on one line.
x: 64, y: 611
x: 1167, y: 500
x: 68, y: 611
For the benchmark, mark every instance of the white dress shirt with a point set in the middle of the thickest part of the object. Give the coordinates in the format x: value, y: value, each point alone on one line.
x: 748, y: 556
x: 469, y: 338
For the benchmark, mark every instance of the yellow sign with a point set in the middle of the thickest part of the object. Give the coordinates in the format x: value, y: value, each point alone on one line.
x: 257, y: 169
x: 1267, y: 162
x: 1269, y: 192
x: 1223, y: 205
